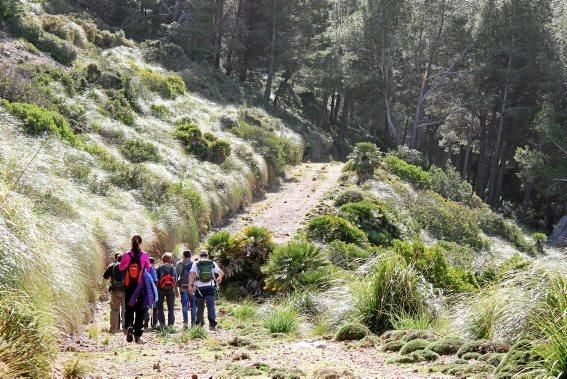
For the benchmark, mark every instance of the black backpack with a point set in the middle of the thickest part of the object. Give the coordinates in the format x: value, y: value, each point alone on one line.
x: 117, y: 278
x: 184, y: 277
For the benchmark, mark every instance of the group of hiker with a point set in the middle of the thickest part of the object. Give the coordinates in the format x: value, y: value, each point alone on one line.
x: 137, y: 287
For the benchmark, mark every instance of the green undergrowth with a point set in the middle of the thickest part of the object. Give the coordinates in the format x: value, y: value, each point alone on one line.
x: 278, y: 151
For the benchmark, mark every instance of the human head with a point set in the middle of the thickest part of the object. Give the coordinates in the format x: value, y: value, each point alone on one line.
x: 136, y: 243
x: 187, y: 253
x: 167, y: 258
x: 152, y: 261
x: 204, y: 254
x: 116, y: 257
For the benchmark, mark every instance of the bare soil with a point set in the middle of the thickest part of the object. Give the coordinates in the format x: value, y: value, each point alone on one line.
x: 284, y: 211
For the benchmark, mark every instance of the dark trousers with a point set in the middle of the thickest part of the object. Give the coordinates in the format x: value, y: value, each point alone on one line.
x: 188, y: 302
x: 134, y: 316
x: 169, y: 296
x: 206, y: 296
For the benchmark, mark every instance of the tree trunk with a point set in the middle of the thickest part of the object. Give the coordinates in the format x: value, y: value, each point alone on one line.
x: 229, y: 65
x: 468, y: 151
x: 337, y: 106
x: 492, y: 182
x: 343, y: 126
x: 219, y: 32
x: 270, y: 79
x: 175, y: 14
x: 527, y: 198
x: 281, y: 88
x: 423, y: 85
x: 385, y: 71
x: 323, y: 113
x: 332, y: 114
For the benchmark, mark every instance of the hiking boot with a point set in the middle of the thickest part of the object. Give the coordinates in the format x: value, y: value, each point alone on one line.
x: 185, y: 326
x: 146, y: 323
x: 130, y: 334
x: 138, y: 339
x: 212, y: 328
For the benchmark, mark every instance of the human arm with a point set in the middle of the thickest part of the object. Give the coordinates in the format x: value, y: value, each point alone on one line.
x: 108, y: 273
x: 124, y: 262
x: 220, y: 274
x: 190, y: 286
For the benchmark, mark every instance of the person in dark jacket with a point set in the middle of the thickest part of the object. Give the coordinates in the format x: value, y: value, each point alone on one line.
x: 188, y: 300
x: 167, y: 290
x: 117, y: 295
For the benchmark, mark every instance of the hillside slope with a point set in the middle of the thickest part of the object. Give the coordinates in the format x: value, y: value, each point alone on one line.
x: 112, y: 146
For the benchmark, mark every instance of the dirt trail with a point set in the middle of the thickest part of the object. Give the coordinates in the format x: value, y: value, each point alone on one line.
x: 236, y: 349
x: 284, y: 210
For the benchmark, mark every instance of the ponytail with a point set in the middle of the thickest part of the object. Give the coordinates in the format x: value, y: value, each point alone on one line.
x: 136, y: 242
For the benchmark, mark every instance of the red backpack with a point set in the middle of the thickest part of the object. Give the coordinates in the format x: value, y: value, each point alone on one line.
x: 133, y: 271
x: 166, y: 277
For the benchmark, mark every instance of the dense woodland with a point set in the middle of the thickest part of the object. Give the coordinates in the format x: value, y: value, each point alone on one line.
x: 480, y: 85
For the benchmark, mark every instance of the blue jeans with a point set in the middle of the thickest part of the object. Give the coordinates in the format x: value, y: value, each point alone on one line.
x: 206, y: 296
x: 188, y: 300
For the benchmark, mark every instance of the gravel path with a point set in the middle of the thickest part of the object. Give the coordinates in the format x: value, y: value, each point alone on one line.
x: 284, y: 210
x: 218, y: 356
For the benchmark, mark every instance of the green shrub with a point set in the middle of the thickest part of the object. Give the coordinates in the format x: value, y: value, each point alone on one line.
x: 138, y: 150
x: 363, y: 160
x: 64, y: 28
x: 119, y: 108
x: 243, y: 255
x: 393, y: 288
x: 413, y: 174
x: 448, y: 220
x: 160, y: 111
x: 433, y: 265
x: 428, y: 355
x: 348, y: 196
x: 347, y: 255
x: 278, y: 151
x: 372, y: 219
x: 168, y: 86
x: 27, y: 347
x: 203, y: 146
x: 414, y: 345
x: 331, y: 228
x: 551, y: 323
x: 494, y: 224
x: 392, y: 346
x: 28, y: 27
x: 540, y: 240
x: 449, y: 184
x: 295, y: 265
x: 219, y: 150
x: 282, y: 320
x: 411, y: 156
x: 351, y: 332
x: 446, y: 346
x: 223, y: 244
x: 496, y: 274
x: 521, y: 358
x: 39, y: 120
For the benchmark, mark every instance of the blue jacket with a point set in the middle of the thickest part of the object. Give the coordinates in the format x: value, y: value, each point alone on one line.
x: 147, y: 290
x: 153, y: 273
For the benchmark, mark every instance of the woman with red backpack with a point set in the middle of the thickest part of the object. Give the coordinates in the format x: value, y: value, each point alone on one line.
x: 134, y: 263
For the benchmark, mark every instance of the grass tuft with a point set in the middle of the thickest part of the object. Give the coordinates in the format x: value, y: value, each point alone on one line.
x: 282, y: 320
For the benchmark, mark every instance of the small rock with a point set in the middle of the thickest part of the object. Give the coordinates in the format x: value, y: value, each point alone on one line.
x: 115, y: 353
x: 157, y: 366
